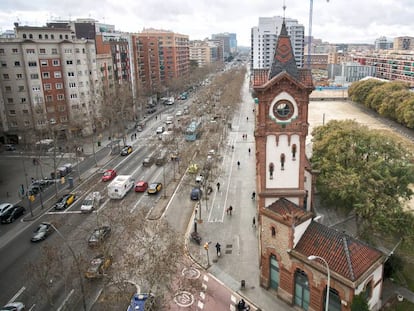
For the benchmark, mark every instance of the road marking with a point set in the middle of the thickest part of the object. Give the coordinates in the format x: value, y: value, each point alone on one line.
x: 200, y: 305
x: 66, y: 300
x: 21, y: 290
x: 205, y: 278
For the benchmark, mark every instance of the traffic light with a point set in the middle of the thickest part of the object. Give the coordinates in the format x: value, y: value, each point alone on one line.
x: 206, y: 246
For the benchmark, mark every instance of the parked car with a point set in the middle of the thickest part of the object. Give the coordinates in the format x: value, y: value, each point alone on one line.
x: 154, y: 188
x: 179, y: 113
x: 14, y: 306
x: 99, y: 235
x: 160, y: 130
x: 65, y: 201
x: 141, y: 186
x: 12, y: 214
x: 196, y: 194
x: 199, y: 179
x: 4, y: 207
x: 42, y: 232
x: 148, y: 161
x: 98, y: 266
x: 108, y: 175
x: 126, y: 150
x: 9, y: 147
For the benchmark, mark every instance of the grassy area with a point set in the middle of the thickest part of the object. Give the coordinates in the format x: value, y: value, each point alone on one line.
x: 395, y: 305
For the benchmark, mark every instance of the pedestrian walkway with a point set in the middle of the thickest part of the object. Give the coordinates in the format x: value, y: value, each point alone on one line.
x: 238, y: 265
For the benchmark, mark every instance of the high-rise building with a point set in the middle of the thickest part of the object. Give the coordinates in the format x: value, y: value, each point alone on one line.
x: 264, y: 38
x: 204, y: 52
x: 46, y: 75
x: 404, y: 43
x: 228, y: 41
x: 382, y: 43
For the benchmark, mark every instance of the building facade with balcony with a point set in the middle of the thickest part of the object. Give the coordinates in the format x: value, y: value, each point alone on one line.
x: 46, y: 76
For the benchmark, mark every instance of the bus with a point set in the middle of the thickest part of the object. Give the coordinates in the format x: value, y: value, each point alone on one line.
x: 193, y: 131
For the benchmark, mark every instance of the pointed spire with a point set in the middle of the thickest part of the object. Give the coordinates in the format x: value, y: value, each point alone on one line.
x: 284, y: 59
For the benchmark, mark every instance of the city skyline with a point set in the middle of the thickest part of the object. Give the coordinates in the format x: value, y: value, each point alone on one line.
x: 334, y: 21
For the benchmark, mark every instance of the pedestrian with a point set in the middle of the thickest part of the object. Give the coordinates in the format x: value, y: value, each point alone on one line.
x: 218, y: 186
x: 218, y: 249
x: 135, y: 135
x: 254, y: 222
x: 247, y: 119
x: 232, y: 147
x: 245, y: 136
x: 253, y: 195
x: 34, y: 161
x: 238, y: 164
x: 132, y: 137
x: 230, y: 209
x: 156, y: 117
x: 249, y: 151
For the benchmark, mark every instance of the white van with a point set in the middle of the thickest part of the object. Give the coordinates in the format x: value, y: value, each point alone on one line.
x: 170, y: 120
x: 120, y: 186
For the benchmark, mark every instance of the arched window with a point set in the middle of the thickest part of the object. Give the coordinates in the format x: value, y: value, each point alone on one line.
x: 274, y: 272
x: 40, y: 36
x: 282, y: 161
x: 334, y: 300
x: 302, y: 294
x: 24, y: 36
x: 273, y: 231
x: 294, y: 152
x: 30, y: 36
x: 271, y: 169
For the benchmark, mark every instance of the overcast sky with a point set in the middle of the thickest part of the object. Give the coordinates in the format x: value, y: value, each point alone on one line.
x: 336, y: 21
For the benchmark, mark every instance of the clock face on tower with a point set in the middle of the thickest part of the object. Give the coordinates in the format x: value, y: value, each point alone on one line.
x: 283, y: 110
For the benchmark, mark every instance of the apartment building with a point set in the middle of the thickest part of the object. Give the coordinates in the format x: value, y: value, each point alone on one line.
x: 390, y: 66
x: 47, y: 77
x: 404, y: 43
x: 264, y: 38
x: 161, y: 56
x: 204, y: 52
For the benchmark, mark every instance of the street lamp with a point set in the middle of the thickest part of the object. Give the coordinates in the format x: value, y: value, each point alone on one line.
x: 76, y: 262
x: 313, y: 257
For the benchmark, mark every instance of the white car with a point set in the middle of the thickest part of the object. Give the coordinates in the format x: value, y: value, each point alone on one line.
x: 199, y: 179
x: 179, y: 113
x: 91, y: 202
x: 160, y: 130
x: 13, y: 306
x: 4, y: 207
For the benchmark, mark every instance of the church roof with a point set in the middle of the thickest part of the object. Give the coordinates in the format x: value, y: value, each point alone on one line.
x: 345, y: 255
x: 284, y: 59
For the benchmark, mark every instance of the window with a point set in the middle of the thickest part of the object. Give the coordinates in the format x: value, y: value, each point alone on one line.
x: 16, y: 64
x: 57, y: 74
x: 15, y: 51
x: 294, y: 151
x: 40, y: 36
x: 69, y: 62
x: 68, y: 51
x: 80, y: 83
x: 32, y: 64
x: 5, y: 76
x: 34, y: 76
x: 72, y: 84
x: 67, y: 37
x: 61, y: 97
x: 60, y: 37
x: 36, y: 89
x: 45, y: 75
x: 49, y: 98
x: 63, y: 119
x: 54, y: 51
x: 59, y: 86
x: 26, y: 123
x: 368, y: 291
x: 52, y: 36
x: 61, y: 108
x: 282, y: 161
x: 13, y: 124
x: 47, y: 86
x: 78, y: 62
x: 24, y: 36
x: 21, y: 88
x: 44, y: 63
x: 30, y: 51
x: 46, y: 36
x: 72, y: 96
x: 25, y: 111
x: 23, y: 100
x: 8, y: 88
x: 19, y: 76
x: 79, y: 73
x: 12, y: 112
x: 1, y: 51
x: 71, y: 74
x: 77, y: 50
x: 56, y: 62
x: 10, y: 100
x: 273, y: 231
x: 3, y: 63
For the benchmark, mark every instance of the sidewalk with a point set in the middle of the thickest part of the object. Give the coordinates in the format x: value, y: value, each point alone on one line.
x: 238, y: 237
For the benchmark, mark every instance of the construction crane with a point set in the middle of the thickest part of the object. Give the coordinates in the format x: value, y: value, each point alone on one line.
x: 310, y: 33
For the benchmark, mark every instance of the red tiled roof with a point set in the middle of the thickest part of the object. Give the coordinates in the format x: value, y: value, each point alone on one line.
x: 344, y: 254
x: 284, y: 207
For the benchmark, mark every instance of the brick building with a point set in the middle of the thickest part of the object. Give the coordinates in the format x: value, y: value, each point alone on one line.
x: 289, y: 234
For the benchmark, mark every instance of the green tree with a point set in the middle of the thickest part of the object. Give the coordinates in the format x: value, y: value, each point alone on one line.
x: 359, y: 91
x: 359, y: 303
x: 364, y: 172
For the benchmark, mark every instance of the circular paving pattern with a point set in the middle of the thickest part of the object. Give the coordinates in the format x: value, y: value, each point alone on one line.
x: 191, y: 273
x: 184, y: 299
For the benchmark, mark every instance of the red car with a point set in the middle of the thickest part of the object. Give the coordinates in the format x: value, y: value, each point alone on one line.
x: 108, y: 175
x: 141, y: 186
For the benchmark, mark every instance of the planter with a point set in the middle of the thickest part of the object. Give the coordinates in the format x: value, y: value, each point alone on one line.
x: 400, y: 297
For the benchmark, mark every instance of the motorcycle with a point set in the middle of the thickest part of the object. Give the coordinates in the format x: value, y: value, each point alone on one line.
x: 242, y: 306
